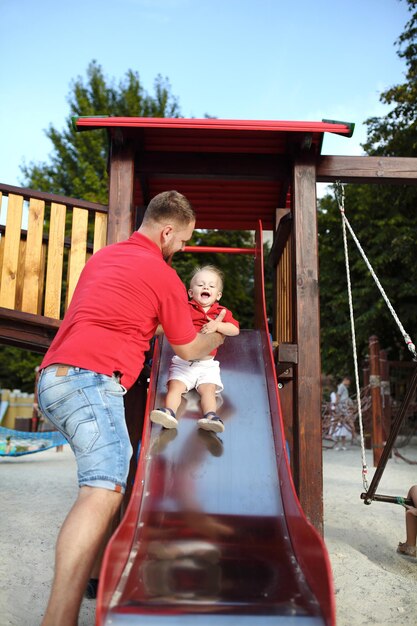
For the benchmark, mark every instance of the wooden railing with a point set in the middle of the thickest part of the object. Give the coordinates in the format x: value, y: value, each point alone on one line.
x: 45, y: 241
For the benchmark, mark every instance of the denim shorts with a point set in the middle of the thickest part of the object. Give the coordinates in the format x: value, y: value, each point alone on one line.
x: 88, y: 409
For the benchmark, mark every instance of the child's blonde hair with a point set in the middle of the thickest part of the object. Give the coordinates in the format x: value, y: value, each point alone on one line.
x: 208, y: 268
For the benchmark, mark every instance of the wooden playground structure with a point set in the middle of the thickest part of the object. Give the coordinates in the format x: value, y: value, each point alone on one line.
x: 234, y: 173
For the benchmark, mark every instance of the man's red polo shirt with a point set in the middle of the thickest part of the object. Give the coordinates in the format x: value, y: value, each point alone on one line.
x: 124, y: 291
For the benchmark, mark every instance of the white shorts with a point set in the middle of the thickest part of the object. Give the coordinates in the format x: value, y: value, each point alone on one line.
x: 194, y: 373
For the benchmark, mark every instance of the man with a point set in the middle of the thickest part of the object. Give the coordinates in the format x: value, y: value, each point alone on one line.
x: 123, y: 293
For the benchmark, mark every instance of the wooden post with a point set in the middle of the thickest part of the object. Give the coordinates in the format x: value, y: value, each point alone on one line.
x: 120, y: 225
x: 286, y: 395
x: 121, y: 215
x: 307, y: 389
x: 366, y: 416
x: 385, y: 394
x: 375, y: 382
x: 286, y: 360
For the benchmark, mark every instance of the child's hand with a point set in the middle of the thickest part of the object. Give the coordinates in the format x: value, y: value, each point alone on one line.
x: 213, y: 325
x: 210, y: 327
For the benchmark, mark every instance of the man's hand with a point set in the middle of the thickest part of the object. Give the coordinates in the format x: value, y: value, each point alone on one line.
x: 200, y: 347
x: 213, y: 325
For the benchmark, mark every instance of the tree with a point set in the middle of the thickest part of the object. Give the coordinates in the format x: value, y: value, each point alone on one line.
x: 384, y: 219
x: 17, y: 368
x: 388, y: 238
x: 78, y: 166
x: 395, y: 134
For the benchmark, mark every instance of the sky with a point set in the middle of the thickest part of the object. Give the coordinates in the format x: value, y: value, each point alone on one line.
x: 303, y: 60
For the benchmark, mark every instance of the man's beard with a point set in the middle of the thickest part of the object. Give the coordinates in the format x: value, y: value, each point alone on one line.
x: 167, y: 254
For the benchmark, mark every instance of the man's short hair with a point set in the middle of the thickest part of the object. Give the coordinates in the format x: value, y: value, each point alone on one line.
x: 169, y: 206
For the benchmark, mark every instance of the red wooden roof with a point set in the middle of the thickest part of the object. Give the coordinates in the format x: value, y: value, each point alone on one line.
x: 234, y: 172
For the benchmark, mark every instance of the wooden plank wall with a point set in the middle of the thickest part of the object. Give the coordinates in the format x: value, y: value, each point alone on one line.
x: 34, y: 259
x: 40, y: 265
x: 284, y: 292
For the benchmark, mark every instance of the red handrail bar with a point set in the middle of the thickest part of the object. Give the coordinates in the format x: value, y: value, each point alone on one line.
x: 219, y: 249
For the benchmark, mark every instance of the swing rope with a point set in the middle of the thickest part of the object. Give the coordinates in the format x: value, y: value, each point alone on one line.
x: 340, y: 197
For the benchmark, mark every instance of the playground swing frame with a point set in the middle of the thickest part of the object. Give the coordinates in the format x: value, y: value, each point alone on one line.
x: 370, y: 494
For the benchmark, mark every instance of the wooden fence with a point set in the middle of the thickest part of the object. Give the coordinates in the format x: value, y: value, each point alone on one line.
x: 45, y: 241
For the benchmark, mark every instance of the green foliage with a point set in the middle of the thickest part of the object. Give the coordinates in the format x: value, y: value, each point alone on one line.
x: 388, y: 239
x: 396, y: 134
x: 17, y: 368
x: 78, y: 168
x: 78, y: 164
x: 384, y: 220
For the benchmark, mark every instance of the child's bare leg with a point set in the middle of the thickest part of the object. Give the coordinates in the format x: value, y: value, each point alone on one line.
x: 175, y: 390
x: 411, y: 528
x: 209, y: 421
x: 166, y: 416
x: 207, y: 393
x: 411, y: 519
x: 409, y: 547
x: 412, y: 493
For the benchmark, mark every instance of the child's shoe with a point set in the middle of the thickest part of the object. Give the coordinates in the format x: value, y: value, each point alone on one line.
x: 213, y: 423
x: 406, y: 550
x: 213, y: 442
x: 162, y: 439
x: 164, y: 417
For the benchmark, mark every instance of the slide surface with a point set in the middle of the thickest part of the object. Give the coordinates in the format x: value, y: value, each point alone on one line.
x: 214, y: 532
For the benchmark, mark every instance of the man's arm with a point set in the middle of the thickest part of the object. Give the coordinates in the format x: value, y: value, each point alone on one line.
x: 200, y: 347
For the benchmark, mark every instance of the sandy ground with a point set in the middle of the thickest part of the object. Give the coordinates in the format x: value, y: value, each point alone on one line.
x: 373, y: 584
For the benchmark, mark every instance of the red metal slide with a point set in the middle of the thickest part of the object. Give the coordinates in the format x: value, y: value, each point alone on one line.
x: 214, y: 533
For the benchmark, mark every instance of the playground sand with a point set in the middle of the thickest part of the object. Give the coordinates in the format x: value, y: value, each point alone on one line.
x: 373, y: 584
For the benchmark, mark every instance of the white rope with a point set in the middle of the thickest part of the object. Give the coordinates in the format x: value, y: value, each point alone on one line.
x: 341, y: 203
x: 410, y: 345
